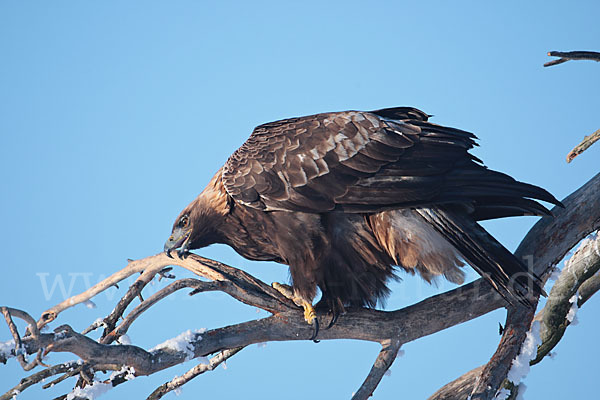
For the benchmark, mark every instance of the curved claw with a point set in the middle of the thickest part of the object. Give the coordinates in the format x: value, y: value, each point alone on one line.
x: 334, y: 318
x: 182, y: 253
x: 168, y: 253
x: 315, y: 330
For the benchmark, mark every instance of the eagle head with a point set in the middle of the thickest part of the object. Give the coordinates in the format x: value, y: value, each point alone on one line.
x: 198, y: 225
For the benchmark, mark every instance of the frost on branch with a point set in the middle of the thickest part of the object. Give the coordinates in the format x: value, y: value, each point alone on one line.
x: 98, y: 388
x: 520, y: 365
x: 183, y: 343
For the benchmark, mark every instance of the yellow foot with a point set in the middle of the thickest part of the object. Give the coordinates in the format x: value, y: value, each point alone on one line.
x: 310, y: 315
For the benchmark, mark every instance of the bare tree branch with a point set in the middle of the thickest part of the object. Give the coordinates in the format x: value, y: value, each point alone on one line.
x: 571, y: 55
x: 577, y: 55
x: 460, y: 388
x: 584, y: 145
x: 197, y: 285
x: 386, y: 357
x: 519, y: 319
x: 133, y: 292
x: 35, y: 333
x: 39, y: 377
x: 148, y: 266
x: 132, y: 268
x: 588, y: 289
x: 179, y: 381
x: 495, y: 371
x: 564, y: 295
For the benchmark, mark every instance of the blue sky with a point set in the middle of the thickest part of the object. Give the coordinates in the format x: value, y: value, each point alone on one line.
x: 114, y: 115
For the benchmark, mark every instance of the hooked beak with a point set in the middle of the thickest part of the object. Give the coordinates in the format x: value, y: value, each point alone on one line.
x: 178, y: 239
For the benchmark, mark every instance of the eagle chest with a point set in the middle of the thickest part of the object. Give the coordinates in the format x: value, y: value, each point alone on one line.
x: 286, y: 237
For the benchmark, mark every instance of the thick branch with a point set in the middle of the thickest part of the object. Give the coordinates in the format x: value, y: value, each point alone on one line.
x: 564, y: 295
x: 495, y: 371
x: 571, y: 55
x: 460, y: 388
x: 588, y: 289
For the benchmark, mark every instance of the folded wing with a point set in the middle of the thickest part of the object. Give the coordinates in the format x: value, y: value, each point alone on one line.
x: 368, y: 162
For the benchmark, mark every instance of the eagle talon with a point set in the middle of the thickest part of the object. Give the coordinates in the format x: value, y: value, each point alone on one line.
x: 315, y: 330
x: 333, y: 307
x: 310, y: 316
x: 334, y: 318
x: 182, y: 253
x: 168, y: 253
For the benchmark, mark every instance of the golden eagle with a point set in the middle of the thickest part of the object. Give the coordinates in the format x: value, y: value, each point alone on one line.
x: 346, y: 198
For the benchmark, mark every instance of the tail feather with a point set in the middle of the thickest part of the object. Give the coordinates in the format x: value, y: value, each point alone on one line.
x: 509, y: 276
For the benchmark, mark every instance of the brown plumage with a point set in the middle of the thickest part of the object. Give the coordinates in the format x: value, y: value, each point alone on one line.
x: 345, y: 198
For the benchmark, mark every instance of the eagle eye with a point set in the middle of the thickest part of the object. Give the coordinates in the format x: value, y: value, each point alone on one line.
x: 183, y: 222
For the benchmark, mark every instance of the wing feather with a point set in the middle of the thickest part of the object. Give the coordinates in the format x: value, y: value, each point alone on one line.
x: 368, y: 162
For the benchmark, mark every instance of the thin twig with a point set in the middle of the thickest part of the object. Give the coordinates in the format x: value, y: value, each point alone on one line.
x: 35, y: 333
x: 161, y: 294
x: 584, y: 145
x: 72, y: 372
x: 155, y: 262
x: 38, y: 377
x: 386, y: 357
x: 571, y: 55
x: 13, y: 329
x: 134, y: 291
x: 199, y: 369
x: 95, y: 325
x: 201, y: 266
